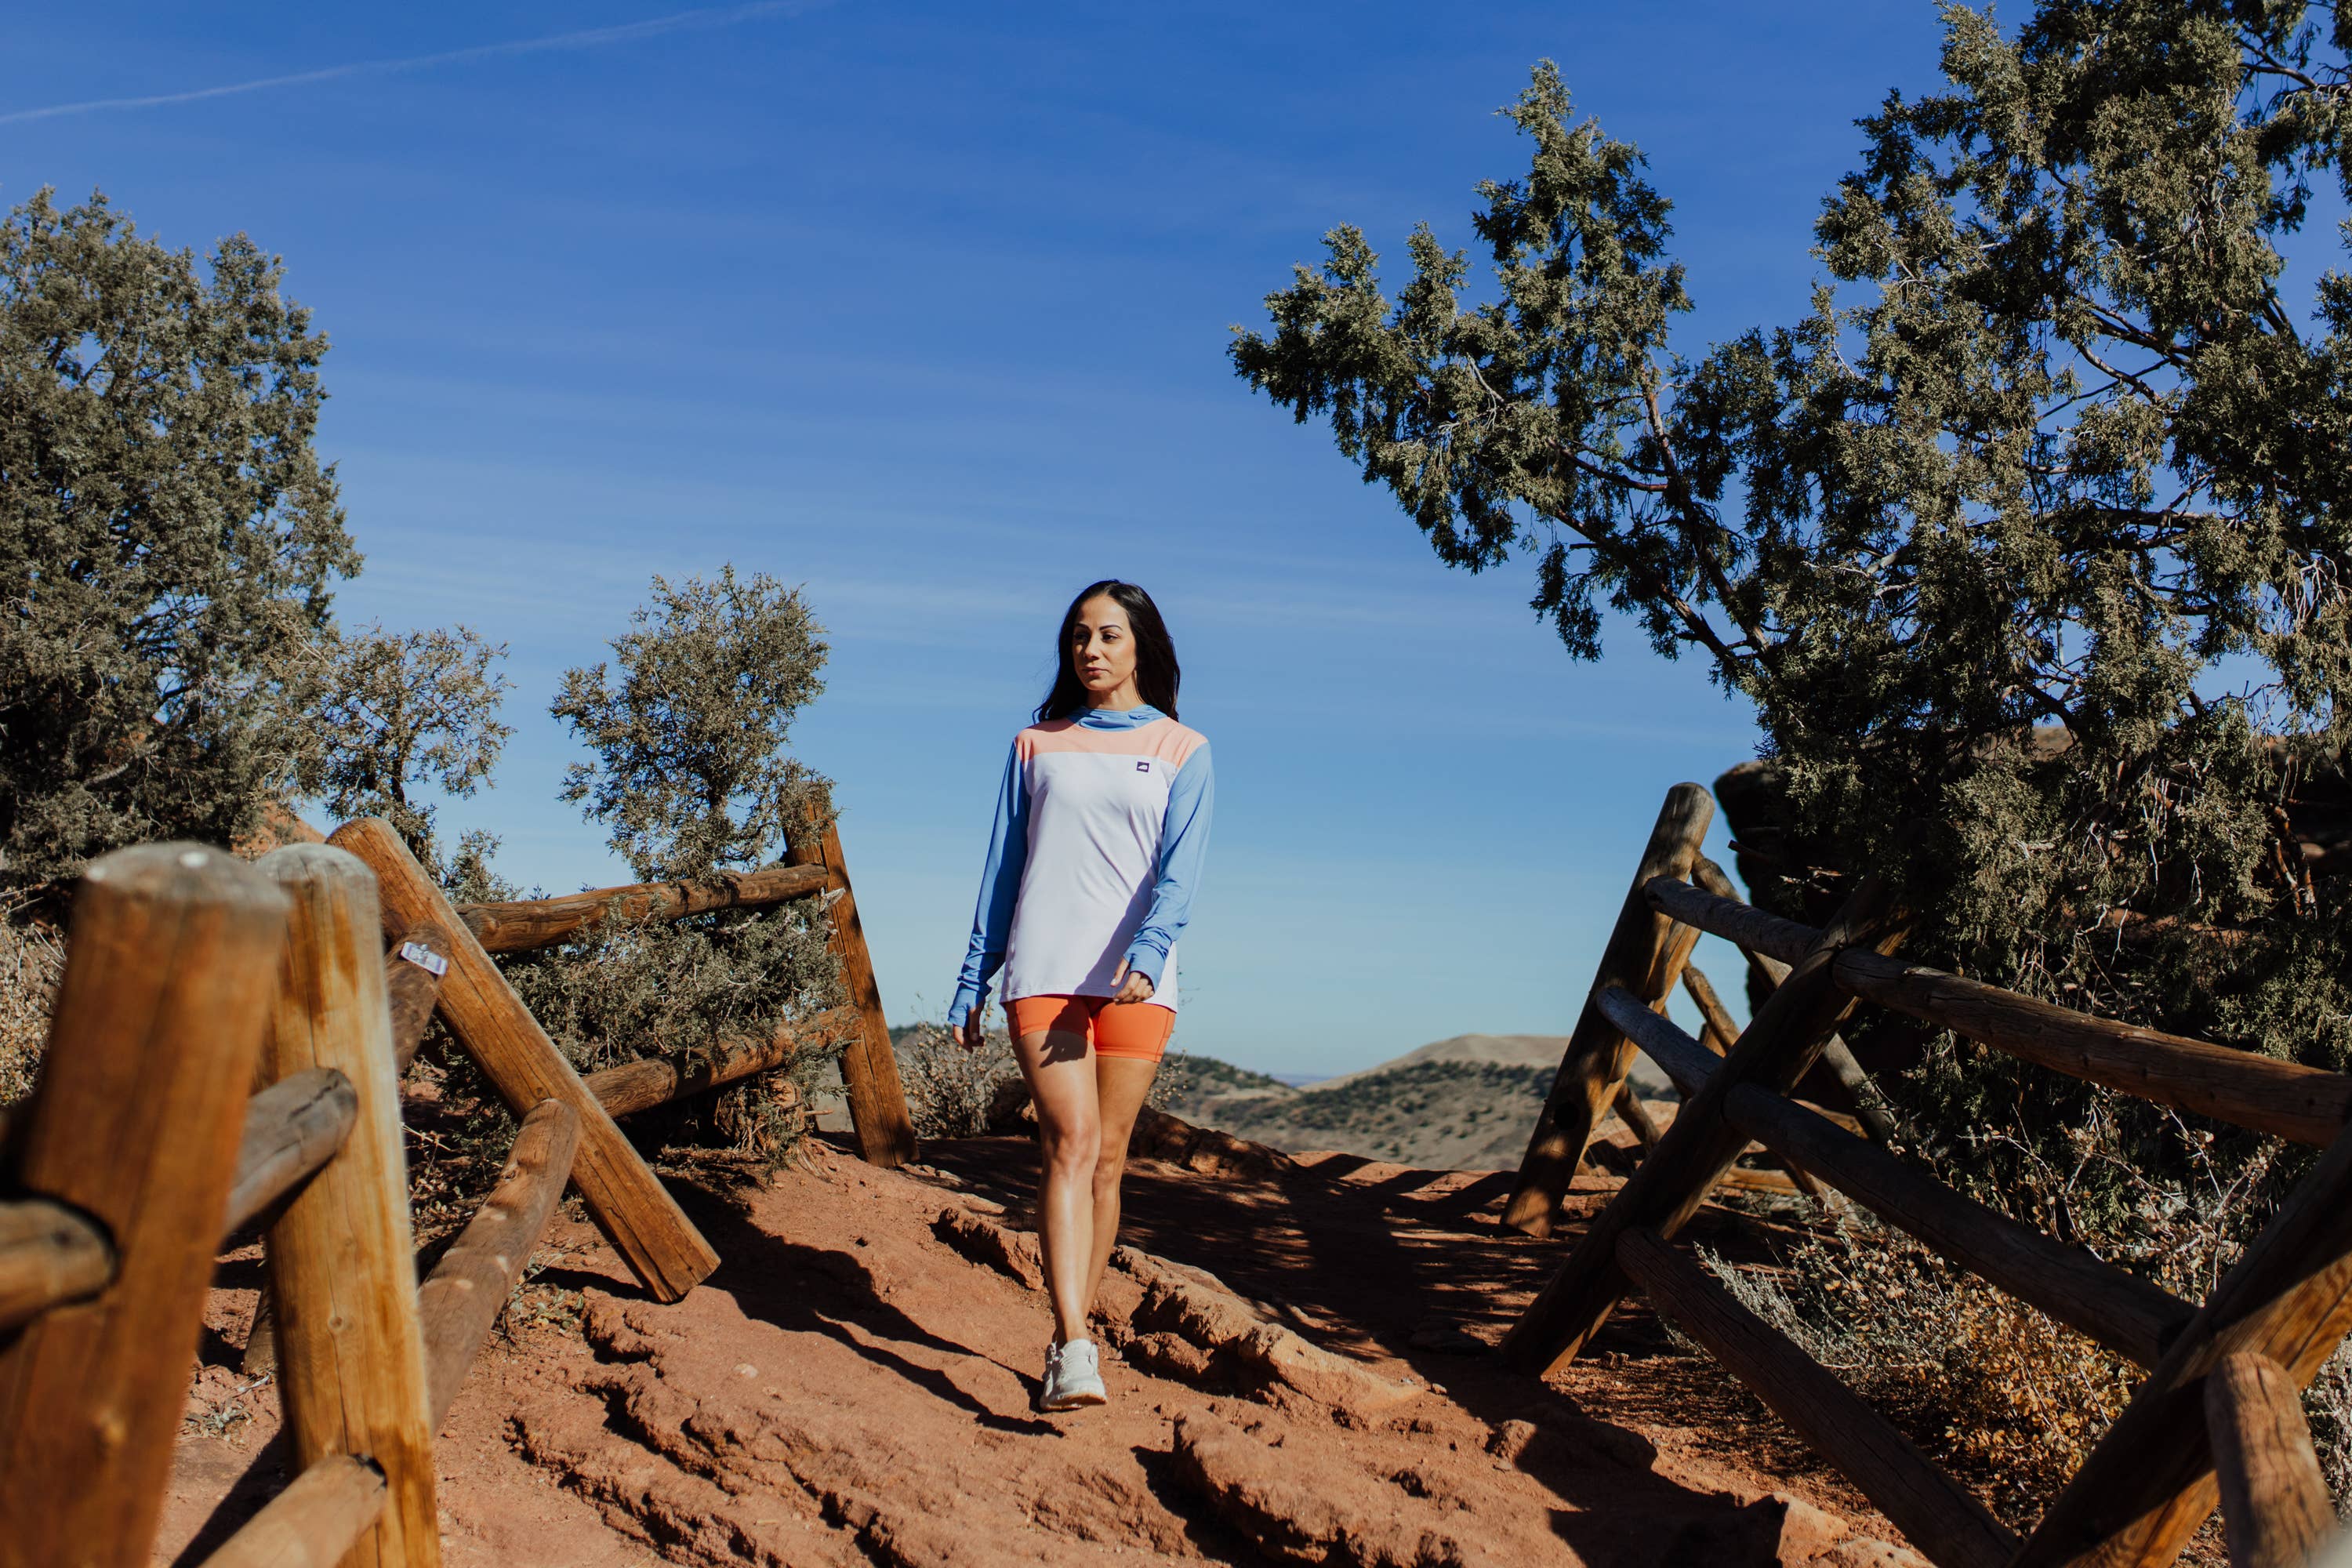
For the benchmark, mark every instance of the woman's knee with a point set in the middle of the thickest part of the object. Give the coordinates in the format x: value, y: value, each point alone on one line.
x: 1071, y: 1148
x: 1109, y: 1166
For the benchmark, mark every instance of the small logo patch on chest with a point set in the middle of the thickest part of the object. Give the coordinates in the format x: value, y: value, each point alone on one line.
x: 1143, y: 767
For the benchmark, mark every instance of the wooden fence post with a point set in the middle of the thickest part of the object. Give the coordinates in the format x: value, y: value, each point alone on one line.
x: 1641, y: 955
x: 168, y: 978
x: 869, y: 1068
x: 2274, y: 1507
x: 632, y: 1207
x: 342, y: 1257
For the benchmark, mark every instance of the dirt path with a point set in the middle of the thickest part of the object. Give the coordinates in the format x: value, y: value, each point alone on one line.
x: 855, y: 1384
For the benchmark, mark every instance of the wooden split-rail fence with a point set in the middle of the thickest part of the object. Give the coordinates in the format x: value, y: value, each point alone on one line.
x: 192, y: 977
x: 2218, y: 1418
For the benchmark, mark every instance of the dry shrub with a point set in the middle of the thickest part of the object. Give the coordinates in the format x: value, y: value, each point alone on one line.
x: 2010, y: 1399
x: 31, y: 960
x: 952, y: 1092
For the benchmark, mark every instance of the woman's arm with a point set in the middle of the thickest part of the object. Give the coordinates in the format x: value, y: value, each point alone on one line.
x: 1000, y: 888
x: 1183, y: 845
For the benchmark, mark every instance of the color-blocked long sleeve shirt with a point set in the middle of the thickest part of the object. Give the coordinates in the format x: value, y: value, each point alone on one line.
x: 1102, y: 823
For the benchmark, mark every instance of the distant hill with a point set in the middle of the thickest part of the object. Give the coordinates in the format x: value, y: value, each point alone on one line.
x: 1466, y: 1103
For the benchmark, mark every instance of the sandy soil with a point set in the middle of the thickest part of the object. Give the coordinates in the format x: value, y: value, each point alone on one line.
x: 1301, y: 1372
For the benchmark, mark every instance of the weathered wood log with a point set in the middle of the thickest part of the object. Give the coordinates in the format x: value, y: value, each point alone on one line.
x: 869, y: 1068
x: 292, y: 1130
x: 351, y: 1357
x: 1872, y: 1108
x: 462, y: 1297
x: 1635, y: 1116
x: 2275, y: 1511
x: 413, y: 967
x: 1779, y: 1044
x: 1719, y: 1021
x: 531, y: 923
x: 2285, y: 1099
x: 1640, y: 956
x: 2149, y: 1483
x: 1683, y: 1059
x: 313, y: 1524
x: 490, y: 1022
x: 1719, y: 1027
x: 156, y: 1025
x: 642, y: 1085
x: 1719, y: 915
x: 2126, y: 1313
x: 1941, y: 1519
x: 49, y: 1256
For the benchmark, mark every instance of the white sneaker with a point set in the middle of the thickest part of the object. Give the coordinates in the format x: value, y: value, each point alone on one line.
x: 1072, y: 1378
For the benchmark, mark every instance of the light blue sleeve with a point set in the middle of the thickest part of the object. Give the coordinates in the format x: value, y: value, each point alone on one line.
x: 1000, y: 889
x: 1184, y: 845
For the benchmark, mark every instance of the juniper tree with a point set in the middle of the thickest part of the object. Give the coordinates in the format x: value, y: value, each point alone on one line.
x: 1989, y: 535
x: 167, y: 536
x: 689, y: 769
x: 391, y: 712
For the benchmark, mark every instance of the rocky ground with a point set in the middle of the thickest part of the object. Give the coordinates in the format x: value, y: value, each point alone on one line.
x: 1303, y: 1373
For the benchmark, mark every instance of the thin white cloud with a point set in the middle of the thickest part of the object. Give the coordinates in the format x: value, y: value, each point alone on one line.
x: 707, y: 16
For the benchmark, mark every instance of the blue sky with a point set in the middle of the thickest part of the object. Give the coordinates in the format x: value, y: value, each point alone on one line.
x: 925, y: 307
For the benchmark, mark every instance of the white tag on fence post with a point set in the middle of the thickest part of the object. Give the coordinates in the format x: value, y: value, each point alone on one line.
x: 425, y: 958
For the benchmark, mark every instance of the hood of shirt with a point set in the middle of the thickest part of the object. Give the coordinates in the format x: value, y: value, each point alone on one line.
x: 1117, y: 718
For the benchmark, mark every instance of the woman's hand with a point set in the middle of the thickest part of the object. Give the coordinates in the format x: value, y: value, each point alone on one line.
x: 974, y: 1029
x: 1130, y: 985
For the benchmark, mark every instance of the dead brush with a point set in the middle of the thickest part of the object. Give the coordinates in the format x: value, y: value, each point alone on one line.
x: 952, y: 1092
x: 2007, y: 1397
x: 31, y: 960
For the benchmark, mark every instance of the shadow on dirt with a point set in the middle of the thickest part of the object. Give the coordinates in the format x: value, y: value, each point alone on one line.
x: 819, y: 1291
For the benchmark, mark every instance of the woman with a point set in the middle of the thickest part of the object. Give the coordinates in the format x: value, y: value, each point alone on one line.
x: 1100, y: 828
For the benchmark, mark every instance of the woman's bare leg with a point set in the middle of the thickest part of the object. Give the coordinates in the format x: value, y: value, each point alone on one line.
x: 1061, y: 1080
x: 1120, y: 1084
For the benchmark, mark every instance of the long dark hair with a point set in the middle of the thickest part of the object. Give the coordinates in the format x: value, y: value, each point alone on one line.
x: 1157, y: 673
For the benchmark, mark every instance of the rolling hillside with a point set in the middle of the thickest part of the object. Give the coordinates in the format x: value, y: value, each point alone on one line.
x: 1464, y: 1103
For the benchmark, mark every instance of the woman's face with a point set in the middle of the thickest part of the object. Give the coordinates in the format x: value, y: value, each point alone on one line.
x: 1102, y: 647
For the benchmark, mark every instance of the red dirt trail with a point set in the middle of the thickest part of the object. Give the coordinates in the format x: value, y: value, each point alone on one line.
x: 1298, y: 1354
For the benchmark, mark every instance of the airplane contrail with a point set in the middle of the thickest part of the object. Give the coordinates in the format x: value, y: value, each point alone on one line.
x: 589, y: 38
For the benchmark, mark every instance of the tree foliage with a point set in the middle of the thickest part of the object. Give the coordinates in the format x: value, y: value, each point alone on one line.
x: 167, y: 536
x: 2027, y: 541
x: 393, y: 710
x: 692, y: 772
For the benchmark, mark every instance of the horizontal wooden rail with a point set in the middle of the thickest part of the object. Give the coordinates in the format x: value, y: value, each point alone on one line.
x: 2287, y: 1099
x: 530, y: 923
x: 291, y: 1129
x: 1941, y: 1519
x: 1743, y: 924
x: 313, y: 1522
x: 462, y: 1297
x: 49, y: 1256
x: 2120, y: 1311
x: 1683, y: 1059
x: 2275, y: 1513
x: 642, y: 1085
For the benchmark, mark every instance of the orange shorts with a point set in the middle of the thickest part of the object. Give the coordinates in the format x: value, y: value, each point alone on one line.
x: 1135, y: 1029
